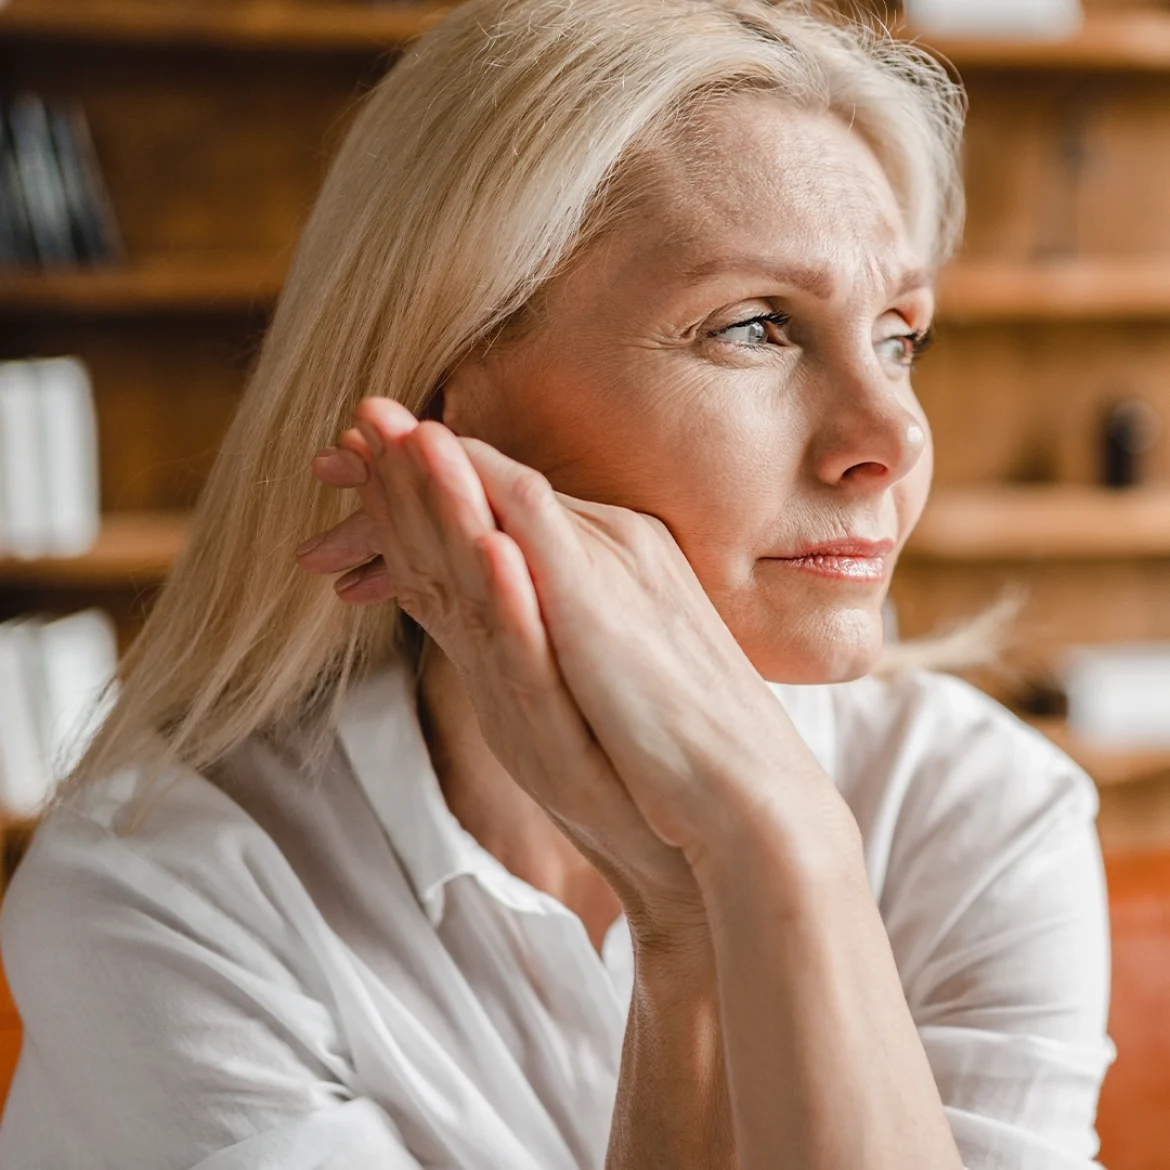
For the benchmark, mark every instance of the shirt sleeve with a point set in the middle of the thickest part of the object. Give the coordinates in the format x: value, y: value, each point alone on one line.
x: 1004, y: 927
x: 163, y: 1032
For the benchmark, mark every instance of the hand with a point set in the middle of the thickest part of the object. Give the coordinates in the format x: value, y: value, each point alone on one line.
x: 693, y: 731
x: 426, y: 535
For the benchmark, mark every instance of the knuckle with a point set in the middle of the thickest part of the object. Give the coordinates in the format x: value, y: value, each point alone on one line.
x: 477, y: 619
x: 531, y: 490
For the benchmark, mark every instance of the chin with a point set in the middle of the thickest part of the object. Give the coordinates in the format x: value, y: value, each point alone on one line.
x: 821, y: 648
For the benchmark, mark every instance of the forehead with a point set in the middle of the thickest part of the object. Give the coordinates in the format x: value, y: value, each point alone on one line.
x: 756, y: 176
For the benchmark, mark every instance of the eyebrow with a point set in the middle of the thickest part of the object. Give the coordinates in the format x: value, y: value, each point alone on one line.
x: 811, y: 280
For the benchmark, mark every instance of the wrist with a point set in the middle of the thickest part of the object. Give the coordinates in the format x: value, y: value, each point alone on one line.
x: 676, y: 977
x: 799, y: 842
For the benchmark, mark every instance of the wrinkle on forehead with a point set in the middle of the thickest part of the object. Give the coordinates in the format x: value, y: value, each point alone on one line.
x: 767, y: 178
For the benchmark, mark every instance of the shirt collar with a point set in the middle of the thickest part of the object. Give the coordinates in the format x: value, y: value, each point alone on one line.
x: 382, y: 738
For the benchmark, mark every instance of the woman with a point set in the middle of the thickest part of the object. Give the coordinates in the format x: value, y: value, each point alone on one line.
x: 581, y: 829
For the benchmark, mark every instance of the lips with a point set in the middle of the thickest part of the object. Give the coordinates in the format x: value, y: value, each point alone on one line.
x: 847, y: 559
x: 848, y: 546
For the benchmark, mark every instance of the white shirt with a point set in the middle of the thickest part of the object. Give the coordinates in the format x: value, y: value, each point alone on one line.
x: 280, y: 971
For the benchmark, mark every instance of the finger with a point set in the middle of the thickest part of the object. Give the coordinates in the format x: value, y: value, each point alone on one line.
x: 524, y: 663
x: 451, y: 488
x: 340, y: 468
x: 352, y: 542
x: 424, y: 464
x: 394, y: 503
x: 528, y: 509
x: 382, y: 421
x: 368, y: 584
x: 513, y: 596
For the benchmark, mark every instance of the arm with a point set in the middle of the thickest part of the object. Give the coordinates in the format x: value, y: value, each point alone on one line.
x: 825, y: 1066
x: 672, y: 1110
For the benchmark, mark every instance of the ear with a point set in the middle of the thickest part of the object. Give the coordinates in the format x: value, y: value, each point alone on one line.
x: 461, y: 397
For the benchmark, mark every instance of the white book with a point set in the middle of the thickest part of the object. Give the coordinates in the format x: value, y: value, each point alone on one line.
x: 25, y: 525
x: 1040, y: 19
x: 67, y: 426
x: 1119, y: 694
x: 79, y: 656
x: 25, y: 775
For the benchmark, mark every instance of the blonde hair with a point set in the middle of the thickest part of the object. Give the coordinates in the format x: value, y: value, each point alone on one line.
x: 500, y: 144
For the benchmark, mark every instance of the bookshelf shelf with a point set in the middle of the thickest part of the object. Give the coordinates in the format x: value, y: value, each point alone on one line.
x: 134, y: 548
x: 1134, y: 41
x: 1026, y: 523
x: 345, y: 25
x: 1056, y: 290
x: 1108, y: 766
x: 176, y: 286
x: 969, y: 291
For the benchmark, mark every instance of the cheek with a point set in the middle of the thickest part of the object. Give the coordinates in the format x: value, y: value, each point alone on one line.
x: 703, y: 457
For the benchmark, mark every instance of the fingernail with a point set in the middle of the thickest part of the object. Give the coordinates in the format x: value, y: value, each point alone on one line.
x: 310, y: 544
x: 372, y: 437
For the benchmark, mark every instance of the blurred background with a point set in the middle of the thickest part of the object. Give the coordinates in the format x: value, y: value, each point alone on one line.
x: 159, y: 156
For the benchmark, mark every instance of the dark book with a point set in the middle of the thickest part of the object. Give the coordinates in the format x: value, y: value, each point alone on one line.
x: 40, y: 180
x: 96, y: 239
x: 17, y: 247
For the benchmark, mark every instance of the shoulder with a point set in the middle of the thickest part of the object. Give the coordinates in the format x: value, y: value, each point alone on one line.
x: 980, y: 840
x: 936, y: 747
x: 172, y: 865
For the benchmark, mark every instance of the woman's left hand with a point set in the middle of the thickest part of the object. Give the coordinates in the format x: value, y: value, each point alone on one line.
x: 692, y: 729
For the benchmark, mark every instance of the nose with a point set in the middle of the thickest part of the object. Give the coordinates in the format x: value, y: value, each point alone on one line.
x: 867, y: 437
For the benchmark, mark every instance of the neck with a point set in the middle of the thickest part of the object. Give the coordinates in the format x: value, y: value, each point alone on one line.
x: 495, y: 810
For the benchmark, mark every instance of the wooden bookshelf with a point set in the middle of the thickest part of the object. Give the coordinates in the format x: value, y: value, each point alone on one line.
x: 1083, y: 289
x: 194, y: 284
x: 1129, y: 40
x: 1136, y: 40
x: 134, y: 548
x: 1008, y: 523
x: 346, y: 25
x: 982, y: 292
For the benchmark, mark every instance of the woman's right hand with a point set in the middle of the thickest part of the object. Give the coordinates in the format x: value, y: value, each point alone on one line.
x: 425, y: 535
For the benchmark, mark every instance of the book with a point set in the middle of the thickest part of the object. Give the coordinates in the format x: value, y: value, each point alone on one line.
x: 24, y: 768
x: 78, y: 660
x: 96, y: 238
x: 40, y: 180
x: 67, y: 432
x: 49, y: 489
x: 1041, y: 19
x: 24, y: 526
x: 1119, y: 694
x: 57, y: 680
x: 17, y: 247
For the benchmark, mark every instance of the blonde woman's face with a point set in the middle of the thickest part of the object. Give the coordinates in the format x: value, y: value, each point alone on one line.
x: 735, y: 359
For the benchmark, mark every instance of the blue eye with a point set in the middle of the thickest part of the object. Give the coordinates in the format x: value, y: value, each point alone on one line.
x: 754, y: 330
x: 909, y: 346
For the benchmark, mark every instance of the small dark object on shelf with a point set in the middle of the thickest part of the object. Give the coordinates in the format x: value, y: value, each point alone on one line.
x: 1130, y: 428
x: 1042, y: 697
